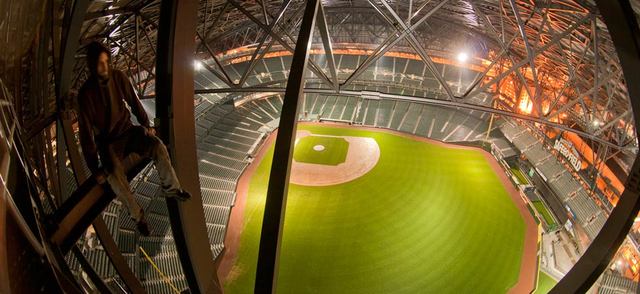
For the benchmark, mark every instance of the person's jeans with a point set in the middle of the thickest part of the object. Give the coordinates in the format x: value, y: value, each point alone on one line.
x: 123, y: 151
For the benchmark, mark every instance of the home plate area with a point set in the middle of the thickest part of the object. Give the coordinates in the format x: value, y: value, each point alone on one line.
x: 322, y: 160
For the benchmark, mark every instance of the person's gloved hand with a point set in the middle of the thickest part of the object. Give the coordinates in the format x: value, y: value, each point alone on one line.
x: 151, y: 131
x: 101, y: 178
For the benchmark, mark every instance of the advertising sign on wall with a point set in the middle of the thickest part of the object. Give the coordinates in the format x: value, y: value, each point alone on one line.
x: 569, y: 152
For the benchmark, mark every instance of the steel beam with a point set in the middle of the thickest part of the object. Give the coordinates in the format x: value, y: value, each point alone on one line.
x: 84, y: 208
x: 137, y: 31
x: 175, y: 119
x: 593, y: 90
x: 273, y: 219
x: 313, y: 66
x: 611, y: 123
x: 97, y: 281
x: 323, y: 27
x: 503, y: 46
x: 535, y: 53
x: 625, y: 34
x: 108, y: 12
x: 413, y: 42
x: 254, y: 56
x: 68, y: 49
x: 596, y: 63
x: 389, y: 43
x: 530, y: 58
x: 225, y: 79
x: 5, y: 158
x: 131, y: 57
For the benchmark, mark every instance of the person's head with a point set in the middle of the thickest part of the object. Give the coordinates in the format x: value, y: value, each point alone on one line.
x: 98, y: 57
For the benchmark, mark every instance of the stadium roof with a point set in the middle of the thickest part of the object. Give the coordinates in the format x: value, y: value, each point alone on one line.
x: 537, y: 59
x: 549, y: 62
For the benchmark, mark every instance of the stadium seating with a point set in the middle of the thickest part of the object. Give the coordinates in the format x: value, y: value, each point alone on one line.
x: 568, y: 189
x: 227, y: 134
x: 564, y: 185
x: 445, y: 124
x: 371, y: 112
x: 223, y: 141
x: 550, y: 167
x: 410, y: 121
x: 613, y: 283
x: 536, y: 154
x: 511, y: 130
x: 398, y: 114
x: 349, y: 109
x: 385, y: 109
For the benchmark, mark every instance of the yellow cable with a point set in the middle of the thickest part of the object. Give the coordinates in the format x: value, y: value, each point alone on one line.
x: 164, y: 277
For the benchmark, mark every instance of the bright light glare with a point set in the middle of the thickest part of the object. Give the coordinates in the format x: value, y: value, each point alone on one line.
x: 596, y: 122
x: 197, y: 65
x: 463, y: 56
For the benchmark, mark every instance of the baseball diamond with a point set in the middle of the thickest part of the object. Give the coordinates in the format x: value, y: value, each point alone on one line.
x: 428, y: 218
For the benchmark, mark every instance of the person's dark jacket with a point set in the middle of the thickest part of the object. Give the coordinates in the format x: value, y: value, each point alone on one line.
x: 102, y: 114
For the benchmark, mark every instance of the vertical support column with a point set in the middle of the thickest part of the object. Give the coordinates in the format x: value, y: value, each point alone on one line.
x: 64, y: 75
x: 326, y: 42
x: 625, y: 34
x: 138, y: 69
x: 4, y: 172
x: 175, y: 118
x: 274, y: 212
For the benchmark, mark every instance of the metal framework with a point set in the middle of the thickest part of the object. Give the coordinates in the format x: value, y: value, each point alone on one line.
x: 553, y: 58
x: 552, y: 62
x: 626, y: 36
x: 175, y: 118
x: 273, y: 218
x: 557, y: 54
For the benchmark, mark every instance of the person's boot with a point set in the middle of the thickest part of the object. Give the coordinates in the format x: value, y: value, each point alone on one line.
x: 180, y: 194
x: 143, y: 227
x: 183, y: 195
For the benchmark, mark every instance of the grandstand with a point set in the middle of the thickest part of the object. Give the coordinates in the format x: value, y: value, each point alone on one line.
x: 495, y: 112
x: 566, y: 187
x: 225, y: 136
x: 612, y: 283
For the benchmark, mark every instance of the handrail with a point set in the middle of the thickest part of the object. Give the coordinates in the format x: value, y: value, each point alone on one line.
x: 163, y: 275
x: 19, y: 219
x: 17, y: 145
x: 88, y: 269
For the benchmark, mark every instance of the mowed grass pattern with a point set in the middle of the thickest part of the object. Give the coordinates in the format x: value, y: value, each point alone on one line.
x: 334, y: 153
x: 545, y: 283
x: 426, y: 219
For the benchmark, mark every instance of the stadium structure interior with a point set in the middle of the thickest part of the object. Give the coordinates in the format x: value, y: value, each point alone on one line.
x: 484, y: 146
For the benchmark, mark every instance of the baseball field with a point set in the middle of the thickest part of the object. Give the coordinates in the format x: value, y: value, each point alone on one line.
x: 427, y: 218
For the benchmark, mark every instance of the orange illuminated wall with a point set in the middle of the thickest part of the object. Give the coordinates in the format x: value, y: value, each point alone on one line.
x: 483, y: 63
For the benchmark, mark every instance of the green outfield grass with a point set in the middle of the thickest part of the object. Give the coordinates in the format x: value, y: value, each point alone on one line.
x: 544, y: 212
x: 425, y: 219
x: 334, y: 153
x: 545, y: 283
x: 521, y: 179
